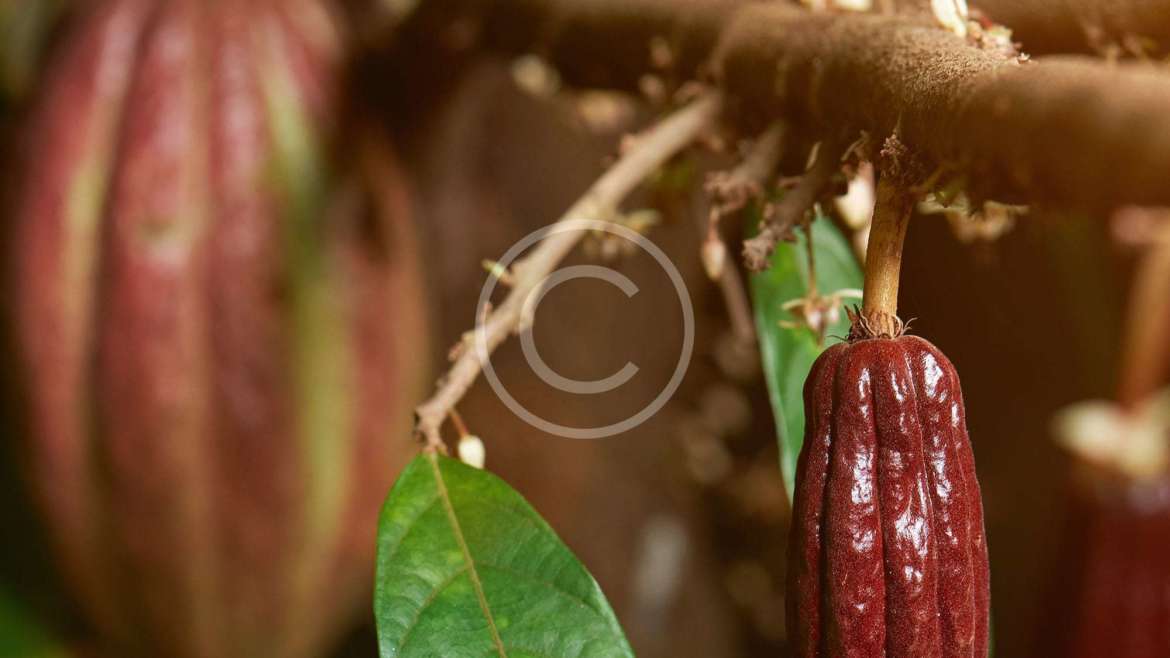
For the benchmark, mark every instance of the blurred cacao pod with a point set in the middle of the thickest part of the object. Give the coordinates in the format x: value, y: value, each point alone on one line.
x: 220, y: 336
x: 1111, y: 593
x: 887, y: 555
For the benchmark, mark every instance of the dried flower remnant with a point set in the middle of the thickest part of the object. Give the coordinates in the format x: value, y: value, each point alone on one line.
x: 605, y: 112
x: 534, y: 75
x: 985, y: 224
x: 951, y: 14
x: 818, y: 312
x: 843, y: 5
x: 713, y: 253
x: 1131, y: 442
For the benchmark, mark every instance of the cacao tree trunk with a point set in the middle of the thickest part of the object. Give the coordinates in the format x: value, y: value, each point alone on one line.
x: 220, y: 336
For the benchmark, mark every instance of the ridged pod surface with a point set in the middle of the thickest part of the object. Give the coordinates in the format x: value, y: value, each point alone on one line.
x: 220, y: 337
x: 887, y: 555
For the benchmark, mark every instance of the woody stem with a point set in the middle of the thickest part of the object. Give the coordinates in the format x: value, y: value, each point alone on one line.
x: 883, y: 257
x: 810, y: 251
x: 1146, y: 356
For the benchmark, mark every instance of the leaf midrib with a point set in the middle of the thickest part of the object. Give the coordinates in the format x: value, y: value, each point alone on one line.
x: 472, y: 572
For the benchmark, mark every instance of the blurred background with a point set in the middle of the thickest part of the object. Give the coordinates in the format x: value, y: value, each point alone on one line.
x: 241, y: 240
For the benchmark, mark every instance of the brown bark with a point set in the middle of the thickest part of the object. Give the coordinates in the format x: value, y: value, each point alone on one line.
x: 1074, y: 133
x: 883, y: 258
x: 1083, y: 26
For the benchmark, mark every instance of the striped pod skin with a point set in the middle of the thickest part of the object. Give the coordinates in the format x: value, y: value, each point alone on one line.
x: 887, y: 555
x: 220, y: 337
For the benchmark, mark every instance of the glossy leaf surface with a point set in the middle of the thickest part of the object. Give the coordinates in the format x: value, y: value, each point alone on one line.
x: 788, y: 352
x: 467, y: 568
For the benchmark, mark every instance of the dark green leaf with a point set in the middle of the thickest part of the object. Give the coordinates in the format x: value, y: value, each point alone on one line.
x: 788, y: 353
x: 466, y: 568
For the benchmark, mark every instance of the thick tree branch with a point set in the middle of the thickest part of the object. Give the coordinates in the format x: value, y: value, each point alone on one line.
x: 1069, y: 132
x: 649, y: 152
x: 1083, y: 26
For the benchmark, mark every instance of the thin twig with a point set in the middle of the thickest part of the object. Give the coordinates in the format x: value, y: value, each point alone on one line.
x: 649, y: 152
x: 730, y: 192
x: 761, y: 161
x: 457, y: 421
x: 791, y: 209
x: 739, y: 311
x: 811, y: 252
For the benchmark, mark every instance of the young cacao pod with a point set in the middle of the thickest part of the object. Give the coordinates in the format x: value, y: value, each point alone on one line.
x: 220, y: 337
x: 887, y: 555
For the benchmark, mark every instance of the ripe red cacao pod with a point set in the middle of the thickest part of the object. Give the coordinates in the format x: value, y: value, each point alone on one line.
x: 220, y: 334
x: 887, y: 555
x: 1112, y: 590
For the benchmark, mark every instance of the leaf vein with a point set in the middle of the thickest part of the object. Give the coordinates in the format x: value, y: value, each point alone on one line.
x: 471, y: 571
x: 523, y: 518
x: 439, y: 589
x: 550, y: 586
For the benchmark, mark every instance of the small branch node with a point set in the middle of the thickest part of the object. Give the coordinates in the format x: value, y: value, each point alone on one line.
x: 876, y: 324
x: 790, y: 211
x: 498, y: 271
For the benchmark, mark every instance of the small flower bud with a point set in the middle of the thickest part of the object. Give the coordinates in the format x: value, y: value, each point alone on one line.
x: 471, y: 450
x: 714, y: 256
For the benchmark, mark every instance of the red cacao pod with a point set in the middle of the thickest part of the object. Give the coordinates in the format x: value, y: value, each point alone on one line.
x: 887, y: 555
x: 1113, y: 586
x: 220, y: 337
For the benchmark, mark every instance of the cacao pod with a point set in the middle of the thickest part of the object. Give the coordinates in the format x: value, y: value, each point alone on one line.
x: 1112, y: 591
x: 887, y: 555
x: 220, y: 337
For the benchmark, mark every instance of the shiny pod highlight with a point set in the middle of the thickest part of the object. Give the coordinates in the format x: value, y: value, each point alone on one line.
x: 887, y: 553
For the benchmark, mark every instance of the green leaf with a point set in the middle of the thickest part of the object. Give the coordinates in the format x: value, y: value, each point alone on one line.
x: 21, y: 636
x: 467, y: 568
x: 788, y: 353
